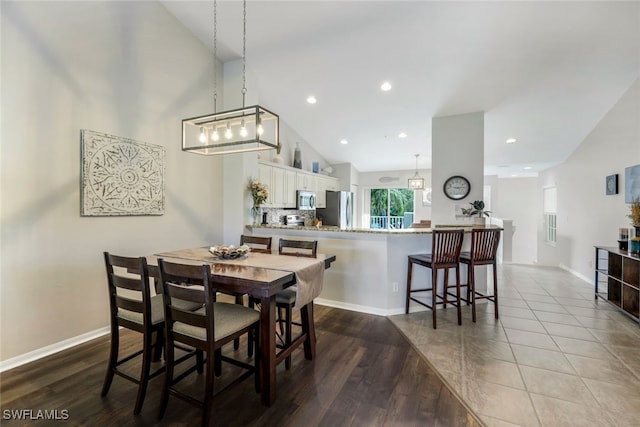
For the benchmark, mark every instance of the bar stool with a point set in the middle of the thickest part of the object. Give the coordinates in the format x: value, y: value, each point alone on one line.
x: 484, y: 246
x: 445, y: 254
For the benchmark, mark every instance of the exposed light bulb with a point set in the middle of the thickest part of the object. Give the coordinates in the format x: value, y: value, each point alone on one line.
x: 243, y: 130
x: 344, y: 142
x: 386, y: 86
x: 312, y: 99
x: 203, y: 135
x: 215, y: 136
x: 402, y: 135
x: 260, y: 130
x: 227, y: 133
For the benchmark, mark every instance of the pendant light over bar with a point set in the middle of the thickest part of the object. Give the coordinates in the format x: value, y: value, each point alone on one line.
x: 416, y: 183
x: 245, y: 129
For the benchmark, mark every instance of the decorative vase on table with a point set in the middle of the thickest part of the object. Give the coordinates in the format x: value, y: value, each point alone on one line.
x: 256, y: 215
x: 479, y: 221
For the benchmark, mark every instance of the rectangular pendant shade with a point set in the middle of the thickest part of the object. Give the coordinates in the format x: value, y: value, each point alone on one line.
x: 416, y: 183
x: 246, y: 129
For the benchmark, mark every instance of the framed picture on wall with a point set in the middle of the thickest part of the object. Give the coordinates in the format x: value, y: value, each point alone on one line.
x: 631, y: 183
x: 612, y: 185
x: 120, y: 176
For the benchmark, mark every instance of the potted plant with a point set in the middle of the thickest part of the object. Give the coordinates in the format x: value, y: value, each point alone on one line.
x: 477, y: 210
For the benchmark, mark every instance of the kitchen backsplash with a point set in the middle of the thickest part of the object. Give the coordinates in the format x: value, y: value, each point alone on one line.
x: 276, y: 215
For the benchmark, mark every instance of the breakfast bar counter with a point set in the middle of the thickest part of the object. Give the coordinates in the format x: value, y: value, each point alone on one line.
x: 370, y: 272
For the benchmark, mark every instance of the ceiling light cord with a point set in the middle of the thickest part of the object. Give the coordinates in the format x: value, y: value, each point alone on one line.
x: 244, y: 50
x: 215, y: 56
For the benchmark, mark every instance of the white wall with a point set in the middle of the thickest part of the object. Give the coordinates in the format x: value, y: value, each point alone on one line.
x: 457, y: 149
x: 123, y: 68
x: 586, y: 216
x: 515, y: 199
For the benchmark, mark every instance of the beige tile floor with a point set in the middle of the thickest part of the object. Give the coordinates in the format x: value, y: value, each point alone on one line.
x: 556, y: 357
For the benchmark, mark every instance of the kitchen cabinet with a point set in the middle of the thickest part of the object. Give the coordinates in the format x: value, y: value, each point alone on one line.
x: 284, y: 188
x: 283, y: 181
x: 324, y: 184
x: 281, y: 184
x: 305, y: 181
x: 264, y: 176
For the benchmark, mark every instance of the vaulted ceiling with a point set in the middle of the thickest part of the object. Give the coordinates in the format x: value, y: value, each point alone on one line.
x: 544, y: 73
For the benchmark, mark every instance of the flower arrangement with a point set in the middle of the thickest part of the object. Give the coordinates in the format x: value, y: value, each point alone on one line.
x: 476, y: 209
x: 635, y: 212
x: 259, y: 192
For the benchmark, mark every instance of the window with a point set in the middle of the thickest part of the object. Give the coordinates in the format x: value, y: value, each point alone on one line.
x: 391, y: 208
x: 550, y: 214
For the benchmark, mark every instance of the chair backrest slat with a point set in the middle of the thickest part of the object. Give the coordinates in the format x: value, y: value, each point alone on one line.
x: 446, y: 246
x: 484, y: 244
x: 132, y: 275
x: 307, y: 245
x: 257, y: 244
x: 130, y: 304
x: 176, y: 279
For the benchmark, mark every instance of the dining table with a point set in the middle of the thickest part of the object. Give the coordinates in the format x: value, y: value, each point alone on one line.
x: 263, y: 276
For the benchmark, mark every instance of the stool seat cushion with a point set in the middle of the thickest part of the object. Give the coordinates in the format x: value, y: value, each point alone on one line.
x: 228, y: 318
x: 421, y: 258
x: 287, y: 296
x: 157, y: 312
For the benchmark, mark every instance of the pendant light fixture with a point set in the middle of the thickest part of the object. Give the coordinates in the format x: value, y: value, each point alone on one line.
x: 416, y: 183
x: 245, y: 129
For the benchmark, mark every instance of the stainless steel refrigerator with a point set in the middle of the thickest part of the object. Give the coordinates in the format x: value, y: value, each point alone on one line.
x: 339, y: 210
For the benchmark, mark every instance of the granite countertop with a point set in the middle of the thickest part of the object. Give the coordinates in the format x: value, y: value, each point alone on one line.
x: 334, y: 229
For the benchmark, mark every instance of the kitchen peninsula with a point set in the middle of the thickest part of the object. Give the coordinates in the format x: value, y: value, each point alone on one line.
x: 371, y: 269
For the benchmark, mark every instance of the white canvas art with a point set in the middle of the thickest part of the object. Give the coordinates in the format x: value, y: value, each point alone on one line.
x: 120, y: 176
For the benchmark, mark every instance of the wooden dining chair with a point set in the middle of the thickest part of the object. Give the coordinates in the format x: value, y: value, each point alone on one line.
x: 257, y: 244
x: 484, y: 247
x: 206, y: 330
x: 445, y: 254
x: 286, y: 299
x: 132, y: 307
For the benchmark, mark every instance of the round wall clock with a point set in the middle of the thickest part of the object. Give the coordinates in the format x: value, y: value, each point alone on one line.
x: 457, y: 187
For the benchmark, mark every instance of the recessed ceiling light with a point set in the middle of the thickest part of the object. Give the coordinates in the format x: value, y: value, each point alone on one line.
x: 402, y: 135
x: 527, y: 168
x: 344, y: 142
x: 312, y: 99
x: 511, y: 140
x: 386, y: 86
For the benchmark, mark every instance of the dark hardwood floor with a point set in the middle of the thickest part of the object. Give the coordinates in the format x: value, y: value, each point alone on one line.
x: 365, y: 374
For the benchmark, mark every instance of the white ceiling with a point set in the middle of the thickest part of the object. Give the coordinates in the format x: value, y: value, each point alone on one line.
x: 543, y: 72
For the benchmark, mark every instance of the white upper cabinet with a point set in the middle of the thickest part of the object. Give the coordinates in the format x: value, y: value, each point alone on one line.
x: 283, y: 181
x: 324, y: 184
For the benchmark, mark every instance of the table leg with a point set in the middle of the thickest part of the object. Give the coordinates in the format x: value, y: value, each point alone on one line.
x: 268, y: 350
x: 308, y: 327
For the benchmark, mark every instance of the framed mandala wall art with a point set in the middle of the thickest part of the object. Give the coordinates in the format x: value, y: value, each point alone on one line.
x: 120, y: 176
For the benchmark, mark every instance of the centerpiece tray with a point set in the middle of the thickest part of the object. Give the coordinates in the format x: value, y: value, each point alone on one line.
x: 229, y: 251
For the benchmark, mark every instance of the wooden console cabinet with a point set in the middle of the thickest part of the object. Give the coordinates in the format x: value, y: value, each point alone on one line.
x: 617, y: 279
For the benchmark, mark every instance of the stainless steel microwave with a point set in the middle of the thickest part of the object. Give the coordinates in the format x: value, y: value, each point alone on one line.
x: 305, y: 200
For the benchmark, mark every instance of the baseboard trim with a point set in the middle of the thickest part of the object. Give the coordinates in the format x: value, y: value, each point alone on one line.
x: 356, y: 307
x: 31, y: 356
x: 575, y: 273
